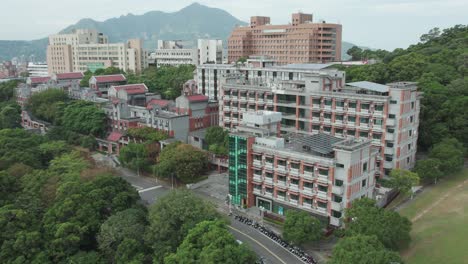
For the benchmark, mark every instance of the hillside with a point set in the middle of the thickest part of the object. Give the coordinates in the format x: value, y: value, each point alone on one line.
x: 192, y: 22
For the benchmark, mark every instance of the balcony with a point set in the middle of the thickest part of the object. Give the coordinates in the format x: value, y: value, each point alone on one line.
x: 306, y: 205
x: 335, y: 221
x: 294, y: 172
x: 268, y: 194
x: 337, y: 206
x: 226, y: 108
x: 281, y: 184
x: 268, y: 165
x: 257, y: 178
x: 257, y: 163
x: 338, y: 190
x: 281, y: 198
x: 257, y: 191
x: 294, y: 187
x: 308, y: 191
x: 243, y: 98
x: 388, y: 151
x: 268, y: 181
x: 389, y: 136
x: 391, y: 122
x: 322, y: 195
x: 388, y: 164
x: 234, y: 109
x: 308, y: 175
x: 293, y: 202
x: 227, y: 119
x: 323, y: 179
x: 340, y: 174
x: 321, y: 210
x: 252, y: 99
x: 281, y: 169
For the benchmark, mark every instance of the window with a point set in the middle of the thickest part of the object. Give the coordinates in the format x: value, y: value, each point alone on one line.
x: 393, y: 102
x: 338, y: 183
x: 411, y: 119
x: 409, y: 146
x: 391, y: 116
x: 328, y: 102
x: 339, y: 103
x: 378, y: 121
x: 352, y: 119
x: 352, y: 105
x: 364, y: 167
x: 390, y: 130
x: 351, y: 132
x: 364, y: 120
x: 339, y: 117
x: 408, y: 160
x: 412, y: 105
x: 376, y: 136
x: 379, y: 107
x: 363, y: 184
x: 363, y: 134
x: 410, y: 132
x: 389, y: 144
x: 365, y: 106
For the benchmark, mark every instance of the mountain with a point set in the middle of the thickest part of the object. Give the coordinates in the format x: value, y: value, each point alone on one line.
x: 345, y: 46
x: 190, y: 23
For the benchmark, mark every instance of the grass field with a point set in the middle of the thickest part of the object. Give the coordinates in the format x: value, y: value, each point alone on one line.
x: 440, y: 223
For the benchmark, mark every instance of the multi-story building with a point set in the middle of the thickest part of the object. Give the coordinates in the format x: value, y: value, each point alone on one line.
x: 175, y: 53
x: 209, y: 77
x: 8, y: 70
x: 301, y: 41
x: 86, y: 49
x: 37, y: 69
x: 102, y: 84
x: 319, y: 173
x: 388, y: 115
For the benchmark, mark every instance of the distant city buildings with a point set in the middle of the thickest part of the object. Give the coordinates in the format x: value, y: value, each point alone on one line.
x: 175, y: 53
x: 8, y: 70
x: 301, y: 41
x: 86, y: 49
x: 37, y: 69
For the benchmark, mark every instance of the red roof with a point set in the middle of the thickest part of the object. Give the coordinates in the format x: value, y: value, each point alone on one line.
x: 69, y: 75
x: 133, y: 88
x: 110, y: 78
x: 114, y: 136
x: 160, y: 102
x: 197, y: 98
x: 35, y: 80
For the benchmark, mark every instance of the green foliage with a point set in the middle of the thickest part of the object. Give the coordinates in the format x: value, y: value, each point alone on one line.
x: 210, y: 242
x: 146, y: 134
x: 166, y: 80
x: 439, y: 66
x: 217, y: 140
x: 301, y: 227
x: 355, y: 52
x: 362, y: 249
x: 122, y: 231
x: 171, y: 218
x: 84, y: 118
x: 85, y: 257
x: 403, y: 180
x: 242, y: 60
x: 188, y: 162
x: 51, y: 149
x: 47, y: 105
x: 366, y: 218
x: 135, y: 156
x: 450, y: 154
x: 429, y: 169
x: 19, y: 146
x: 7, y: 90
x: 10, y: 116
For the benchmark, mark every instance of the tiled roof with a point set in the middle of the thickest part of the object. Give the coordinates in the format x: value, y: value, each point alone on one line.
x: 69, y: 75
x: 133, y: 88
x: 110, y: 78
x: 35, y: 80
x: 160, y: 102
x: 197, y: 98
x: 114, y: 136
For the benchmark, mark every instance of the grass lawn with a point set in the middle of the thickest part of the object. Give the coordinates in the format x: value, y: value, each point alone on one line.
x: 440, y: 223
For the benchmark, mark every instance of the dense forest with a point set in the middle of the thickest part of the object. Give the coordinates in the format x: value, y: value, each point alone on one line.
x: 439, y: 63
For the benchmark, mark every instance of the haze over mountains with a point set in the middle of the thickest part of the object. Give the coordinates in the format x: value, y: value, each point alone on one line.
x: 190, y: 23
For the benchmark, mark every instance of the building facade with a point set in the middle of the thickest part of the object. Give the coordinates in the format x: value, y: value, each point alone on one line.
x: 387, y: 115
x: 320, y: 174
x: 86, y: 49
x: 175, y: 53
x: 37, y: 69
x: 299, y: 42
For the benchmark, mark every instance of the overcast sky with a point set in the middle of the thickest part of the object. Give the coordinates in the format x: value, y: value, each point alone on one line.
x: 386, y: 24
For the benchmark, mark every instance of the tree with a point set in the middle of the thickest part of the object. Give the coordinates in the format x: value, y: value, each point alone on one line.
x: 47, y: 105
x: 242, y: 60
x: 362, y: 249
x: 365, y: 218
x: 7, y: 90
x: 301, y: 227
x: 429, y: 169
x: 188, y: 162
x: 210, y: 242
x: 217, y: 140
x: 431, y: 35
x: 171, y: 218
x: 450, y: 153
x: 19, y: 146
x: 355, y: 52
x: 134, y: 156
x: 10, y: 117
x: 129, y: 225
x: 146, y: 134
x: 84, y: 118
x: 403, y: 180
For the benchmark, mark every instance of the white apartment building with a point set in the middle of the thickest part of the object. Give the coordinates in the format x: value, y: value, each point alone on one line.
x: 85, y: 49
x: 175, y: 53
x: 320, y: 174
x: 37, y: 69
x: 320, y: 102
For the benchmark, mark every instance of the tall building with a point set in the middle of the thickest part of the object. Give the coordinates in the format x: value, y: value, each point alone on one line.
x: 175, y: 52
x: 86, y: 49
x: 37, y: 69
x: 301, y: 41
x: 387, y: 115
x: 320, y: 174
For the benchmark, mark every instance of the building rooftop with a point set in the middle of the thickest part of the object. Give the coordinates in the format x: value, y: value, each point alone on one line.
x: 110, y: 78
x: 305, y: 66
x: 197, y: 98
x: 36, y: 80
x: 370, y: 86
x: 318, y: 143
x: 133, y: 88
x: 160, y: 102
x: 69, y: 75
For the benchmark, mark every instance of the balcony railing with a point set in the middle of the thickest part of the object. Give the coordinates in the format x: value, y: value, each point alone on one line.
x: 337, y: 206
x: 257, y: 192
x: 257, y: 178
x: 268, y: 181
x: 308, y: 191
x: 338, y: 190
x: 294, y: 171
x: 294, y: 187
x: 269, y: 165
x: 322, y: 195
x: 323, y: 179
x: 281, y: 184
x: 308, y: 175
x: 335, y: 221
x: 257, y: 163
x: 281, y: 169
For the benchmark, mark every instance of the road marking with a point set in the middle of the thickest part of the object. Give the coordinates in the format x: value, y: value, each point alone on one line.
x: 149, y: 189
x: 253, y: 239
x: 137, y: 187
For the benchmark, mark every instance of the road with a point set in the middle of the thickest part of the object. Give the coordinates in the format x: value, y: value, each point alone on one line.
x: 149, y: 190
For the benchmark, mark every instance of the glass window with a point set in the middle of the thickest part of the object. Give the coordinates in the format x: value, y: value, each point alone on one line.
x: 364, y: 134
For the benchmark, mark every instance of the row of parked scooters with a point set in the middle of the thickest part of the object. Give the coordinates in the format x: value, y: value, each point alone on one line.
x: 272, y: 235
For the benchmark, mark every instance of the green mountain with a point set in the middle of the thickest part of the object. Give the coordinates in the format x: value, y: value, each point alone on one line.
x: 190, y: 23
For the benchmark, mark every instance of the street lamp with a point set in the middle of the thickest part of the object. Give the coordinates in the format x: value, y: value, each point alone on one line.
x: 229, y: 203
x: 262, y: 213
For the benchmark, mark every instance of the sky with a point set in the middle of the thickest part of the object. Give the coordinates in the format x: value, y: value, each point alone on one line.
x: 384, y: 24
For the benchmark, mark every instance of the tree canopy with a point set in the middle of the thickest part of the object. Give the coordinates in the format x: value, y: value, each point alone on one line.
x: 429, y: 169
x: 47, y: 105
x: 84, y: 118
x: 450, y: 154
x: 217, y: 140
x: 300, y: 227
x: 365, y: 218
x: 362, y: 249
x: 146, y: 134
x: 211, y: 242
x: 403, y: 180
